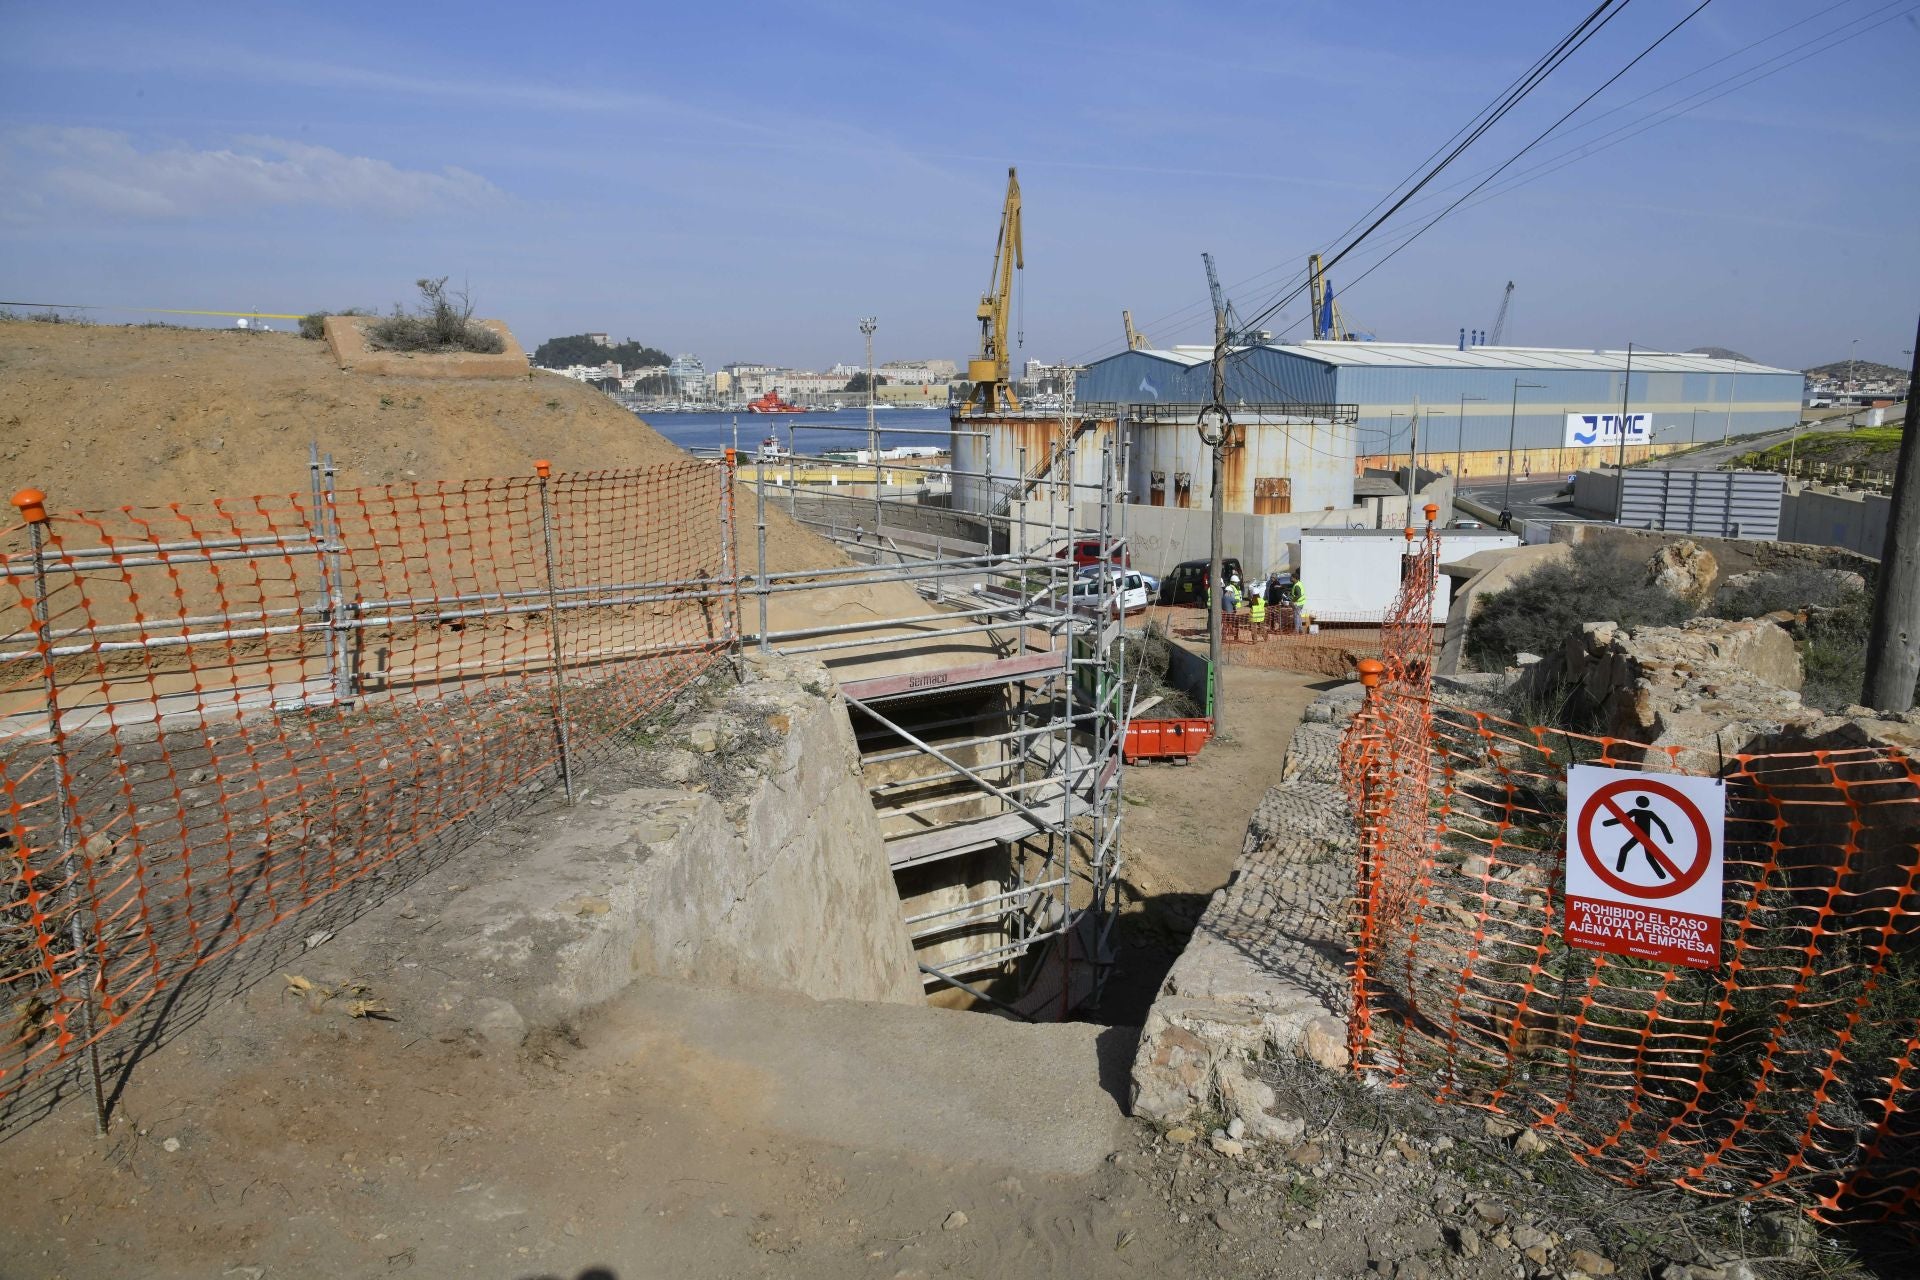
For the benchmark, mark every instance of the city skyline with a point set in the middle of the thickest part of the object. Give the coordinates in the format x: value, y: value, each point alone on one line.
x: 757, y: 196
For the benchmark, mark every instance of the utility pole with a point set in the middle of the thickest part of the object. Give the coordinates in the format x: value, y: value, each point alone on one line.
x: 1214, y: 421
x: 1620, y: 476
x: 1726, y: 432
x: 1853, y: 358
x: 867, y: 326
x: 1460, y: 439
x: 1413, y: 457
x: 1513, y: 418
x: 1893, y: 645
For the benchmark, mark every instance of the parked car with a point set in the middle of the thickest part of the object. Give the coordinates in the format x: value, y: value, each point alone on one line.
x: 1187, y: 584
x: 1152, y: 583
x: 1126, y: 591
x: 1086, y: 551
x: 1466, y: 524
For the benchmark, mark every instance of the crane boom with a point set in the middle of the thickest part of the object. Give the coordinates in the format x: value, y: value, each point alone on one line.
x: 1136, y: 340
x: 990, y: 371
x: 1326, y: 322
x: 1500, y: 321
x: 1213, y: 285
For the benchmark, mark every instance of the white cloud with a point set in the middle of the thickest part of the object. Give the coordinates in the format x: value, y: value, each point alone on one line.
x: 106, y: 171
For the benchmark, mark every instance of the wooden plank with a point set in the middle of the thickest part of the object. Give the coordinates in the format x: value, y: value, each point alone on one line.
x: 966, y: 837
x: 917, y: 682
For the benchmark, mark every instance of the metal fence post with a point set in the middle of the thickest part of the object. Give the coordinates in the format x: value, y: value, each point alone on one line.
x: 544, y: 470
x: 316, y: 528
x: 340, y: 642
x: 729, y: 566
x: 80, y: 932
x: 793, y: 492
x: 760, y: 568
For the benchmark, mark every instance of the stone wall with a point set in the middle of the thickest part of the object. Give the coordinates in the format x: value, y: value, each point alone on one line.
x: 746, y: 853
x: 1264, y: 972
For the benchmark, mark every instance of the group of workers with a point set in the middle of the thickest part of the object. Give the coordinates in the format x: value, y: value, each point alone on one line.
x: 1267, y: 593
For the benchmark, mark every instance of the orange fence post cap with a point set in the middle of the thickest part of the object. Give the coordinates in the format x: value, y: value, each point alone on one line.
x: 32, y: 504
x: 1433, y: 512
x: 1409, y: 532
x: 1371, y: 669
x: 730, y: 460
x: 542, y: 468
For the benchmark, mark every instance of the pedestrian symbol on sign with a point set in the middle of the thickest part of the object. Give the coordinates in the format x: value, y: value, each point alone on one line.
x: 1641, y: 823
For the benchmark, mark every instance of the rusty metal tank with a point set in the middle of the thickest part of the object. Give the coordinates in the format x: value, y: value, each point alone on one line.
x: 987, y: 455
x: 1283, y: 463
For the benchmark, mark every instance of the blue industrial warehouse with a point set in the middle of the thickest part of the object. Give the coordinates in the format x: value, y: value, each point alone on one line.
x: 1569, y: 402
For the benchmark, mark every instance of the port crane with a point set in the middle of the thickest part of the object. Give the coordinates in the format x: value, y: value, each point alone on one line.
x: 991, y: 370
x: 1136, y: 340
x: 1500, y: 321
x: 1238, y: 335
x: 1327, y: 323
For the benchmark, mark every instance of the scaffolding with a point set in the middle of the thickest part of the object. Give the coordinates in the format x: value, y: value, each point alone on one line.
x: 990, y: 738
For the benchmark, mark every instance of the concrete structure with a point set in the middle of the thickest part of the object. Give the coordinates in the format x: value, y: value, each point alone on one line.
x: 1686, y: 398
x: 1836, y: 518
x: 347, y: 342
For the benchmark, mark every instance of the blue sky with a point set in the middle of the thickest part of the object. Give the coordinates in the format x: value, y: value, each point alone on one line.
x: 746, y: 181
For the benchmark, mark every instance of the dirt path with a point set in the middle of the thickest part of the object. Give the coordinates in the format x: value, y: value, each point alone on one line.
x: 1185, y: 824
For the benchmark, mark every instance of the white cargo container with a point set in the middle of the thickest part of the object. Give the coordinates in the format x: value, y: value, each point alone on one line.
x: 1351, y: 575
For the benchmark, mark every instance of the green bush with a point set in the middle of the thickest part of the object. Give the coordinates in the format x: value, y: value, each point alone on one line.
x: 442, y: 322
x: 1540, y: 610
x: 314, y: 324
x: 1792, y: 589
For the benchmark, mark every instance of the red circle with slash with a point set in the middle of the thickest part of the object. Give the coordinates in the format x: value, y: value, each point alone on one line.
x: 1681, y: 879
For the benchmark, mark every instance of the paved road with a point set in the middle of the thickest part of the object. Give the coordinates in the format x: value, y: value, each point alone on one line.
x: 1531, y: 499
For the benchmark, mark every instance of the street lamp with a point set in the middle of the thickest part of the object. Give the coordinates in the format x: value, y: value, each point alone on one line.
x: 1513, y: 417
x: 1693, y: 428
x: 1434, y: 413
x: 1460, y: 439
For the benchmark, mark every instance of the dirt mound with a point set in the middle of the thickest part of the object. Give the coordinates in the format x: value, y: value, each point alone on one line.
x: 102, y: 416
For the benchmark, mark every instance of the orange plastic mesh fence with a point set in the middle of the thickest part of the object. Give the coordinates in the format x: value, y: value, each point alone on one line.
x: 1790, y: 1071
x: 215, y: 715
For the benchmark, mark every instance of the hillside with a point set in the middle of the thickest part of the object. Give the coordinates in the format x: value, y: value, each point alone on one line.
x: 105, y: 416
x: 1863, y: 371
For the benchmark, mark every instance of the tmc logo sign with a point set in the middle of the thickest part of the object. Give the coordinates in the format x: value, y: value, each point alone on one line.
x: 1593, y: 430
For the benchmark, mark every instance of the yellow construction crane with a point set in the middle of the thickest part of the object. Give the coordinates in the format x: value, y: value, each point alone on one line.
x: 990, y: 371
x: 1326, y: 322
x: 1136, y: 340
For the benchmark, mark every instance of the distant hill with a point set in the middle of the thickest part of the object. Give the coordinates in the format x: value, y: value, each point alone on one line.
x: 561, y: 353
x: 1865, y: 371
x: 1719, y: 353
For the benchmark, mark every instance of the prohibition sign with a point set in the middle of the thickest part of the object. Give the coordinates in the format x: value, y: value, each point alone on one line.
x: 1680, y: 878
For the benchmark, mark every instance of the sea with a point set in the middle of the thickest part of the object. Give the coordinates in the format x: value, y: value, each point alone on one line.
x: 811, y: 433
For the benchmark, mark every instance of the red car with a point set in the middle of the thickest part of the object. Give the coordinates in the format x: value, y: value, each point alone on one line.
x: 1087, y: 551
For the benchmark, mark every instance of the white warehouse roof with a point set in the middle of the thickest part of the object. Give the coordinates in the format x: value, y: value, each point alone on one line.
x: 1442, y: 355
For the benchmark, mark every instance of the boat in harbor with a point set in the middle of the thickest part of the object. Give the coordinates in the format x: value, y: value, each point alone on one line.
x: 772, y: 403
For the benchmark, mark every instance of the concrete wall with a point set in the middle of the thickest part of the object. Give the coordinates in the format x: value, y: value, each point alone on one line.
x: 1836, y: 518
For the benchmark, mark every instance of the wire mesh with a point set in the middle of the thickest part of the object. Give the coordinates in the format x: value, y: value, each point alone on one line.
x: 215, y: 715
x: 1789, y: 1071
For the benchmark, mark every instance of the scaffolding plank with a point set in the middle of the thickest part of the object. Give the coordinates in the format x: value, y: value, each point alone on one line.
x: 966, y: 837
x: 1001, y: 671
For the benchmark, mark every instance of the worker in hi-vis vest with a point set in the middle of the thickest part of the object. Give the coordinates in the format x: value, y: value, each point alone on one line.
x: 1297, y: 597
x: 1257, y: 609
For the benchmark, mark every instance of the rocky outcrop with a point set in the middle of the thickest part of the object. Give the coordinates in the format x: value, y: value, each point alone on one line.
x: 1686, y: 569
